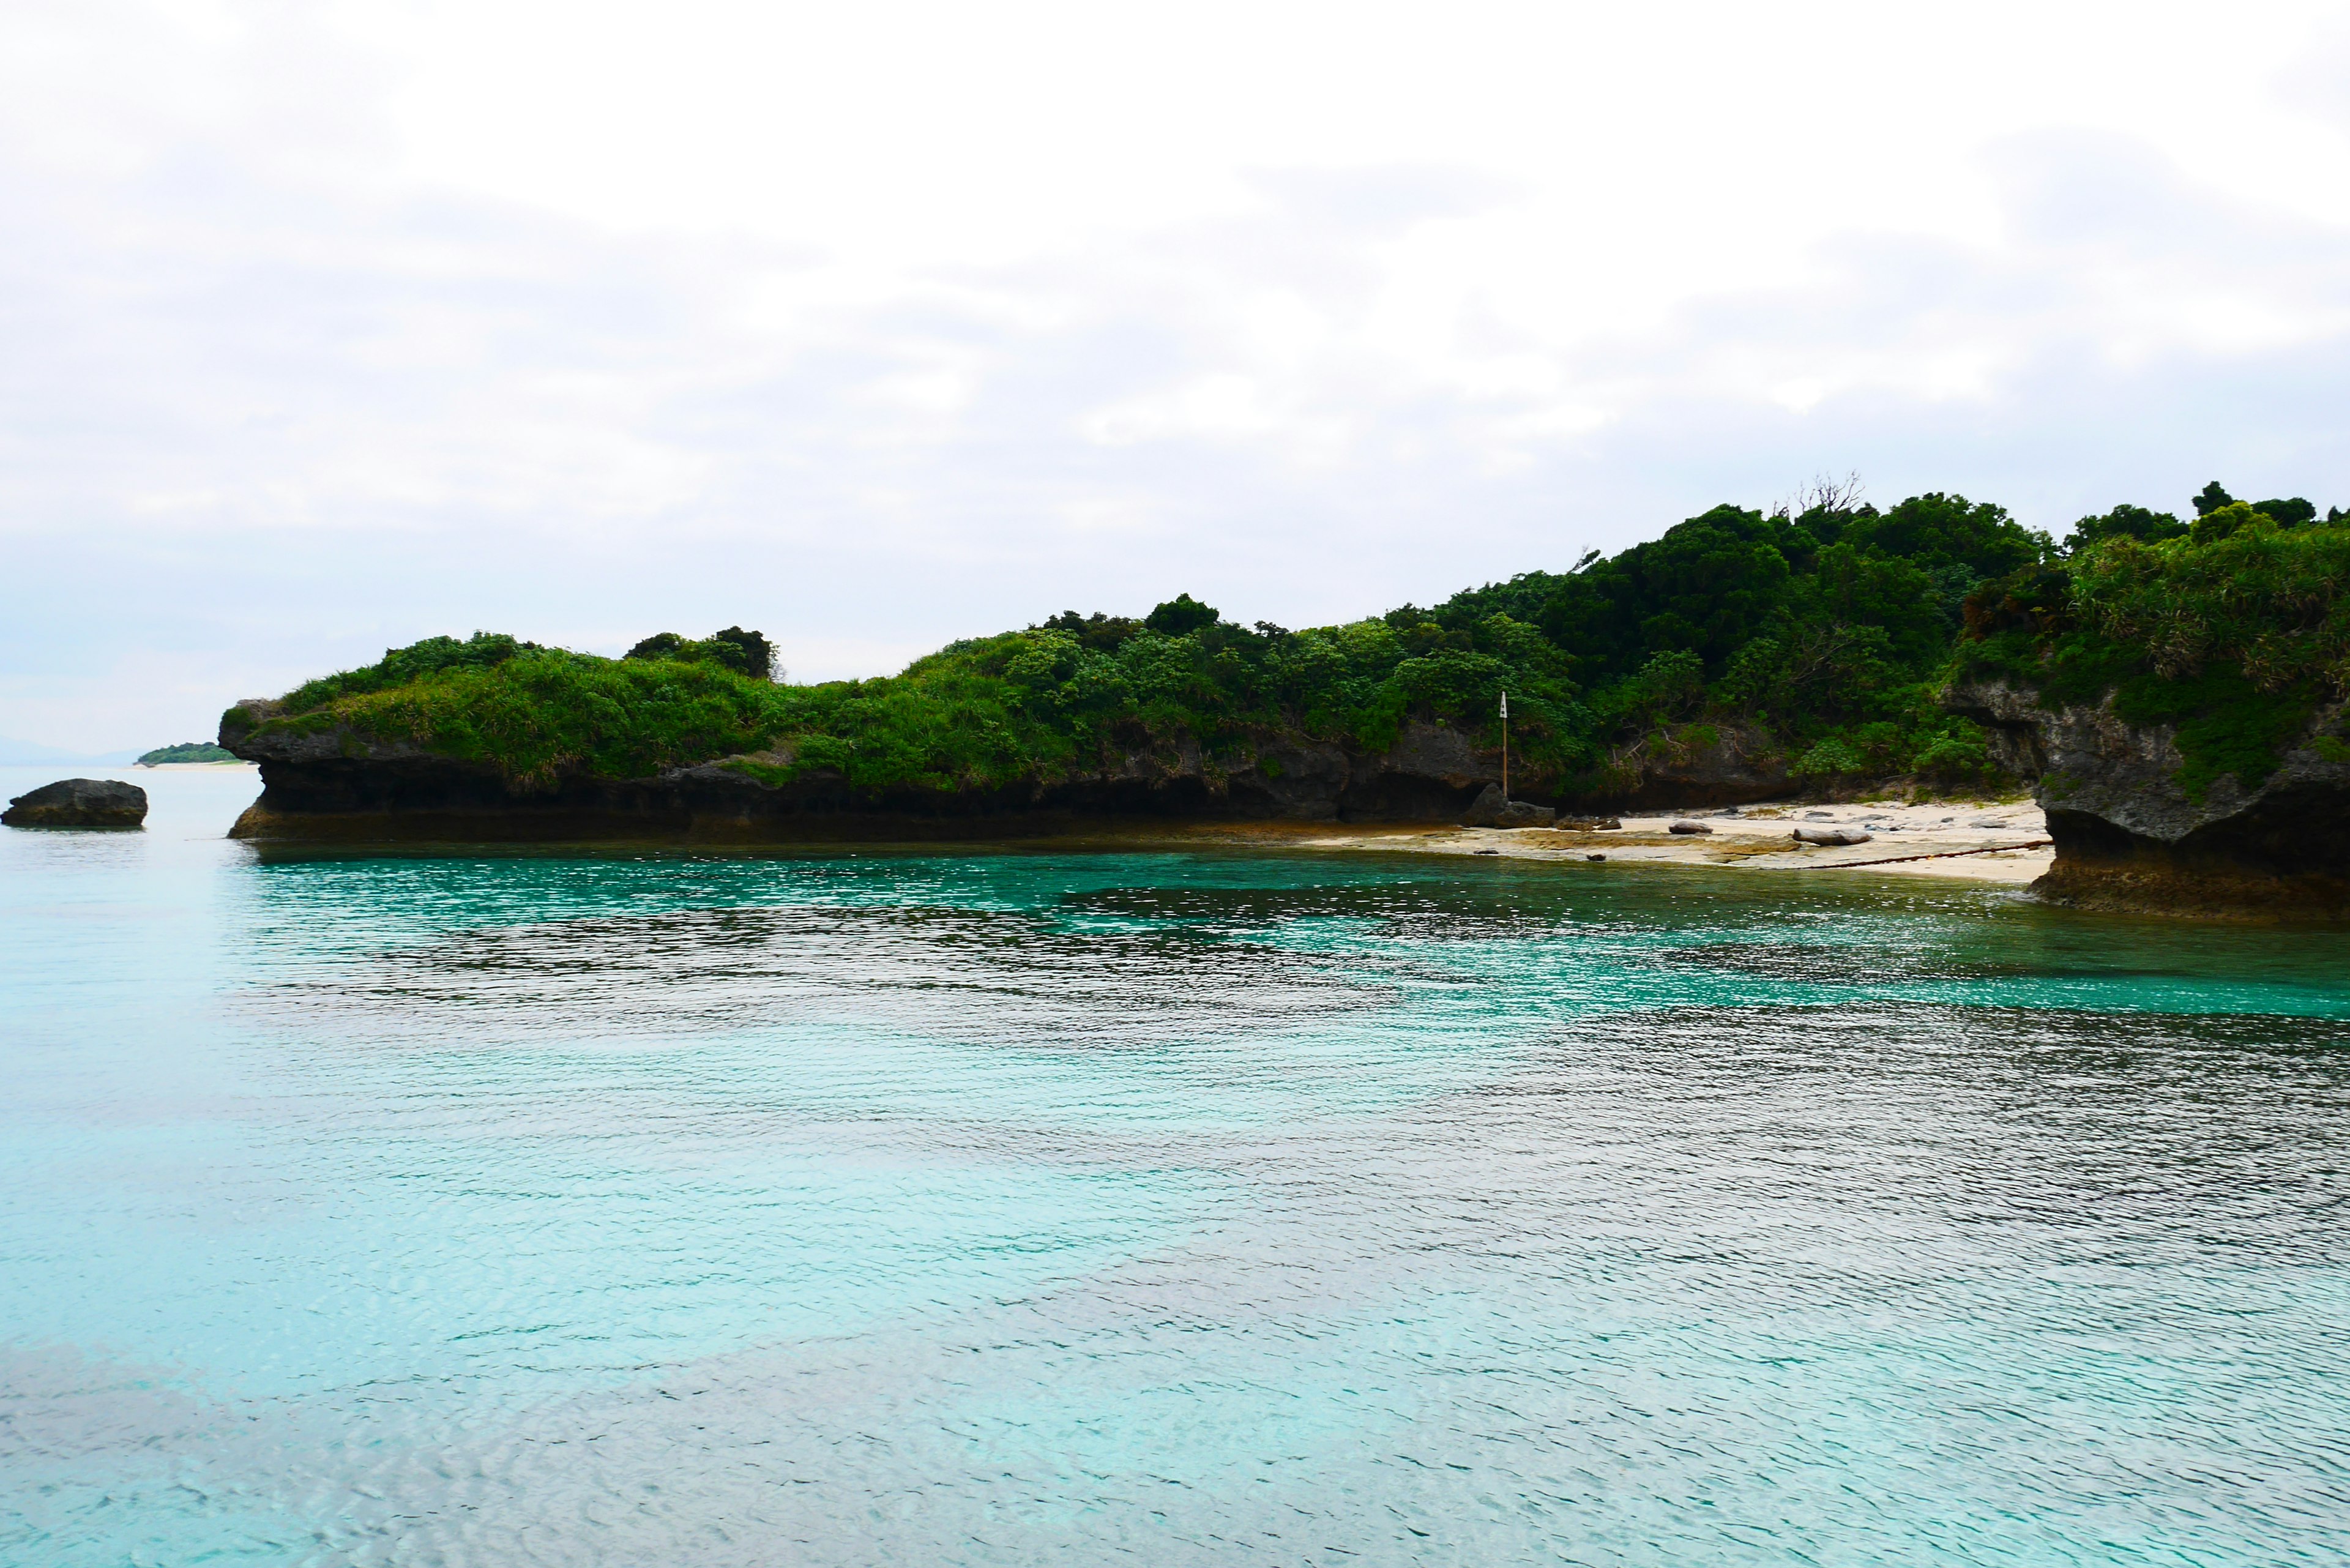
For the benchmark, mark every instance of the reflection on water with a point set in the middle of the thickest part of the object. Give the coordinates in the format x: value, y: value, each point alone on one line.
x: 1005, y: 1208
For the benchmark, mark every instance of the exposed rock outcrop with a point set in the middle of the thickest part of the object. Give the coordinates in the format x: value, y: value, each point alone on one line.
x: 325, y: 780
x: 331, y: 782
x: 2131, y: 835
x: 78, y: 803
x: 1705, y: 764
x: 1492, y: 810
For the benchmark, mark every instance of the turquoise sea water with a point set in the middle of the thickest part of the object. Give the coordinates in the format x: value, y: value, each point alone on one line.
x: 1013, y: 1208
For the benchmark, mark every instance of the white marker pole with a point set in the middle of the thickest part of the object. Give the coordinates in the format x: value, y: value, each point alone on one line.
x: 1505, y: 748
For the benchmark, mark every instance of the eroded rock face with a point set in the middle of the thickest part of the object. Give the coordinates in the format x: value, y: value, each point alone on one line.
x: 2130, y: 835
x: 327, y: 781
x: 333, y: 782
x: 1712, y: 764
x: 78, y: 803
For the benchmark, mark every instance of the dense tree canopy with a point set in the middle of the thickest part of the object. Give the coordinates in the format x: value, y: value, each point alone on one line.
x: 1825, y: 632
x: 2234, y: 630
x: 744, y: 653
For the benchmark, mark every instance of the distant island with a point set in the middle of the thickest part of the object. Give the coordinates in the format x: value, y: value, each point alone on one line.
x: 187, y: 752
x: 2173, y: 686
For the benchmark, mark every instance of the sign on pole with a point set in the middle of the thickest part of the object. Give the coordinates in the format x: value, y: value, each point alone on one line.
x: 1505, y: 748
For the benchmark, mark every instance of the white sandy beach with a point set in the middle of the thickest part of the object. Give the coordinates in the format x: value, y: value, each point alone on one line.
x: 1999, y: 841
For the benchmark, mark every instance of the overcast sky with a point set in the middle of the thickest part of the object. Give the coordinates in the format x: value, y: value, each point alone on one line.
x: 329, y: 326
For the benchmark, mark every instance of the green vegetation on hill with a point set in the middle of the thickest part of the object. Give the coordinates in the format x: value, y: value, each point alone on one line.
x: 188, y: 752
x: 2235, y: 628
x: 1824, y: 631
x: 418, y: 663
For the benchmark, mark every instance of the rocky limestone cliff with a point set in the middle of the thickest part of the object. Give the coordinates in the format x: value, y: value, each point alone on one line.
x: 2130, y: 835
x: 332, y: 782
x: 1702, y: 765
x: 335, y: 782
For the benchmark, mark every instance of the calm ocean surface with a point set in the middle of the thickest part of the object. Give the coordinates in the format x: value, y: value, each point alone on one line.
x: 1161, y: 1209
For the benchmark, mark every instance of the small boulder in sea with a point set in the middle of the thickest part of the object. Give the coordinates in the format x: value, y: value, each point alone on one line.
x: 1689, y: 827
x: 78, y: 803
x: 1491, y: 810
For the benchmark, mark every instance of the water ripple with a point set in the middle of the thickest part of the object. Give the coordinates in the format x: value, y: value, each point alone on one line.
x: 1016, y: 1208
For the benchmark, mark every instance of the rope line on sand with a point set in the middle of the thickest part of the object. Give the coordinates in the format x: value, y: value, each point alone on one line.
x: 1948, y: 854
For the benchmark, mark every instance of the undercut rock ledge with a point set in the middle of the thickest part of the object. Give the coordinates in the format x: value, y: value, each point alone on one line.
x: 2130, y: 835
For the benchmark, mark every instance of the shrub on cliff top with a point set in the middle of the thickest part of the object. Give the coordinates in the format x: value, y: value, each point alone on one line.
x: 2273, y: 600
x: 545, y: 709
x: 744, y: 653
x: 401, y: 666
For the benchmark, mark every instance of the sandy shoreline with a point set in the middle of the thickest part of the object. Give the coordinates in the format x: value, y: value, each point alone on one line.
x: 1992, y: 842
x: 1997, y: 842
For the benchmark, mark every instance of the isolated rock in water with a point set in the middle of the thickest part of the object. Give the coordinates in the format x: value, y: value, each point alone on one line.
x: 1491, y: 810
x: 1594, y: 858
x: 1689, y: 827
x: 1832, y: 836
x: 78, y: 803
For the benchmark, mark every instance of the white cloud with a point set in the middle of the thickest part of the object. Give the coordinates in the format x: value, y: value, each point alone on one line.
x: 333, y: 327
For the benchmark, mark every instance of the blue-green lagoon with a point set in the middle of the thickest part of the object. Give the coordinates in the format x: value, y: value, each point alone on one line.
x: 1049, y: 1206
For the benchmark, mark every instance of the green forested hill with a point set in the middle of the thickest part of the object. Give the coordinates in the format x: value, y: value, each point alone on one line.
x: 1830, y: 630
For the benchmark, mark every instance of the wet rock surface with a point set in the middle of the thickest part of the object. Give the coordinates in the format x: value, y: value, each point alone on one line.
x: 78, y: 803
